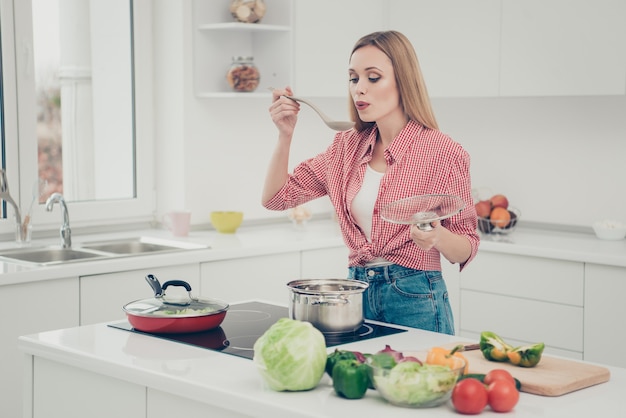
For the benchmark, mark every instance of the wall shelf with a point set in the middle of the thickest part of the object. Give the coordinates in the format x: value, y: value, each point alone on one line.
x: 253, y: 27
x: 233, y: 95
x: 217, y: 38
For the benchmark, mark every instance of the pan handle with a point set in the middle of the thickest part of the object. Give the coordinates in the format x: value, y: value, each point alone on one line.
x: 155, y: 285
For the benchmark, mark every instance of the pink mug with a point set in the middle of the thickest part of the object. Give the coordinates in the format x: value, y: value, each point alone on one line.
x: 178, y: 222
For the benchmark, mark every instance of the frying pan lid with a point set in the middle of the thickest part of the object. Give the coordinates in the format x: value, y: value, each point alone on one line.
x: 422, y: 209
x: 154, y: 307
x: 162, y: 306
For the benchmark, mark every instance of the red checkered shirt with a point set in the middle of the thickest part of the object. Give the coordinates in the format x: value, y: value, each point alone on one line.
x: 419, y: 161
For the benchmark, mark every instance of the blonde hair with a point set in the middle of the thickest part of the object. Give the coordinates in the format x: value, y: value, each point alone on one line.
x: 412, y: 90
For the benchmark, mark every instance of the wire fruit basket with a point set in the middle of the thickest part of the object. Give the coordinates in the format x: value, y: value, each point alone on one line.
x: 487, y: 226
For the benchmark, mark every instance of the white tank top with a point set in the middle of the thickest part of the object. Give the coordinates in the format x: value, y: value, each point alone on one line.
x: 363, y: 203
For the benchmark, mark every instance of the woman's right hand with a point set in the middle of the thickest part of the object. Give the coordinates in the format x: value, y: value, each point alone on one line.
x: 284, y: 111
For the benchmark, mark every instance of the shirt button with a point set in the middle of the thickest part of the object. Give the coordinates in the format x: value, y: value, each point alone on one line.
x: 371, y: 273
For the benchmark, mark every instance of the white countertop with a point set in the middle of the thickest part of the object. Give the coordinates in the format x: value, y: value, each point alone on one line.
x: 283, y: 237
x: 246, y: 242
x: 233, y: 383
x: 581, y: 247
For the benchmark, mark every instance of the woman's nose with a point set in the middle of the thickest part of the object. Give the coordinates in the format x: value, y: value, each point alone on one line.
x: 360, y: 87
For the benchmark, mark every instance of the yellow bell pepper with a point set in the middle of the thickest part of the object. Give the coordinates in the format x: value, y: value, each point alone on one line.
x: 445, y: 357
x: 526, y: 356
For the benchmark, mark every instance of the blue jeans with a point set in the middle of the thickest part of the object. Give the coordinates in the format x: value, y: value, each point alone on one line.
x: 404, y: 296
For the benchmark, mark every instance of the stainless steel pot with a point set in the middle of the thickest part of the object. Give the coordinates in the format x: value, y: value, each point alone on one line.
x: 331, y: 305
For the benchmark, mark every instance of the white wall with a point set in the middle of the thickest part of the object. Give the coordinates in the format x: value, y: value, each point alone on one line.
x: 560, y: 160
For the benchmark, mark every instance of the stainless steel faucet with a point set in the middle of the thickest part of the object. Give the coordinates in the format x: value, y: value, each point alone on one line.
x: 6, y: 196
x: 66, y: 232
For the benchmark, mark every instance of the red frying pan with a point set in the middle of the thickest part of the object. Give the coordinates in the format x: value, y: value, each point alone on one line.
x: 168, y: 316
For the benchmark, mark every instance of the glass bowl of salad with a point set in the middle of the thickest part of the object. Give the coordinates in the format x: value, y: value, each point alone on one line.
x: 413, y: 383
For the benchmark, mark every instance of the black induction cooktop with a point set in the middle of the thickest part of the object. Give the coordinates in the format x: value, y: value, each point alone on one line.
x: 246, y: 322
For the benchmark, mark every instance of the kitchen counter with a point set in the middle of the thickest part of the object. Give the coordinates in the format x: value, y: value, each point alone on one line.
x: 560, y: 245
x: 211, y: 381
x: 246, y: 242
x: 283, y: 237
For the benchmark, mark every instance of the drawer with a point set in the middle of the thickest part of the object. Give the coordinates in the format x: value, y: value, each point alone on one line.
x: 558, y: 326
x: 262, y: 278
x: 534, y: 278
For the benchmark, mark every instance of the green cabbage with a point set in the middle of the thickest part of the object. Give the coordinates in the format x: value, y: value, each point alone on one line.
x: 291, y: 355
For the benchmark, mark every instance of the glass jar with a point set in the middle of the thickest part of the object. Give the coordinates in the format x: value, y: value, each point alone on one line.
x: 247, y: 11
x: 243, y: 75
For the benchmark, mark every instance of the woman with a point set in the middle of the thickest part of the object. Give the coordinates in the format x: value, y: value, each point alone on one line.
x: 394, y: 151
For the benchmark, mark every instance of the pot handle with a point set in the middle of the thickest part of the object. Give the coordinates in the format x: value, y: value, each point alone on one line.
x: 177, y: 283
x: 334, y: 301
x: 155, y: 285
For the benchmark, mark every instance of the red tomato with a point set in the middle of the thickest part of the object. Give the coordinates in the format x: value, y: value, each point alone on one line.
x: 469, y: 396
x: 502, y: 395
x: 498, y: 374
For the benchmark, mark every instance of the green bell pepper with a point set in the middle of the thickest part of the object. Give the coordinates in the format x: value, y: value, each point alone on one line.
x: 527, y: 355
x: 350, y: 378
x: 335, y: 356
x: 493, y: 347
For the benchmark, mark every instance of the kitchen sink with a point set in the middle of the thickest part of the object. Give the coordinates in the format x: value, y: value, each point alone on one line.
x: 88, y: 251
x: 139, y: 245
x: 49, y: 255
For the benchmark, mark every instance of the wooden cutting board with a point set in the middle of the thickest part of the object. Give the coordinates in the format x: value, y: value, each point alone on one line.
x: 553, y: 376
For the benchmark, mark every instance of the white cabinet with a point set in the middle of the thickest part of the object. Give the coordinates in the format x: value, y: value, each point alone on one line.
x: 563, y: 47
x: 81, y: 393
x: 525, y: 300
x: 102, y: 296
x: 457, y: 43
x: 217, y: 37
x: 605, y: 287
x: 165, y: 405
x: 262, y: 278
x: 64, y: 391
x: 482, y: 48
x: 325, y: 33
x: 26, y: 309
x: 325, y: 263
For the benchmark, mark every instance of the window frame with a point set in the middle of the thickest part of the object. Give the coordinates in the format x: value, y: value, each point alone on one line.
x: 20, y: 135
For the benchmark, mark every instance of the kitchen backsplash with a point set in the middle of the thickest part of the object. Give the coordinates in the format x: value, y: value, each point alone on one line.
x: 559, y: 160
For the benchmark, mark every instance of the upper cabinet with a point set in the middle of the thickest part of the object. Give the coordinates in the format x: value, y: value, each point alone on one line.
x: 457, y: 43
x: 563, y: 47
x: 218, y: 37
x: 325, y: 32
x: 478, y: 48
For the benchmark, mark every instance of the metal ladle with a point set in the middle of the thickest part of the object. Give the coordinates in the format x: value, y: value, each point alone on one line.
x: 332, y: 124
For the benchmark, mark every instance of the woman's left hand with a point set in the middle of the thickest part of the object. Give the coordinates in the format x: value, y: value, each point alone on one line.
x: 426, y: 240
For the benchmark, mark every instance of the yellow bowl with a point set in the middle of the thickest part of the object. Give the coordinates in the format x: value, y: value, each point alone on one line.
x: 226, y: 222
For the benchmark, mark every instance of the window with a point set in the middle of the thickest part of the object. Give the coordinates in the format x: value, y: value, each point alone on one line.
x: 82, y: 70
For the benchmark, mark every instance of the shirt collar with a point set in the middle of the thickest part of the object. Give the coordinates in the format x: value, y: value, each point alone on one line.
x: 368, y: 144
x: 398, y: 146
